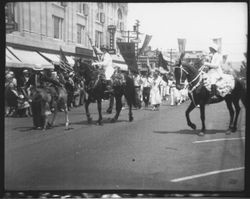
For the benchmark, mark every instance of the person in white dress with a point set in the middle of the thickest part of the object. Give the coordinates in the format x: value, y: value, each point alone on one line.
x: 215, y: 71
x: 155, y: 95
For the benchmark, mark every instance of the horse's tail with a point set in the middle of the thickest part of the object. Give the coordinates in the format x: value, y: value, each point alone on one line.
x: 241, y: 87
x: 243, y: 93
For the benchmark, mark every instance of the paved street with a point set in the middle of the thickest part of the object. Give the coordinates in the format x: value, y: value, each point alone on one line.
x: 155, y: 151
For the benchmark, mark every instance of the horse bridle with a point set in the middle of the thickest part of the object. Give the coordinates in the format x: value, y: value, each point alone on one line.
x: 182, y: 70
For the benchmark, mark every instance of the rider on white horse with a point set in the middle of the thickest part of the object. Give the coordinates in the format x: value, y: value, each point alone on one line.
x: 215, y: 71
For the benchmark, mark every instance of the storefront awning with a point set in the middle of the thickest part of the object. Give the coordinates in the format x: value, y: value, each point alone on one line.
x: 31, y: 58
x: 53, y: 57
x: 11, y: 60
x: 56, y: 58
x: 70, y: 60
x: 118, y: 61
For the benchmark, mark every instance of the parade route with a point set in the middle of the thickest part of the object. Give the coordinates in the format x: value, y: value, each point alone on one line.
x: 157, y: 151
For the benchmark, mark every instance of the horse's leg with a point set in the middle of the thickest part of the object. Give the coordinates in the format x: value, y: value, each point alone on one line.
x: 87, y: 110
x: 99, y: 107
x: 111, y: 103
x: 189, y: 109
x: 231, y: 112
x: 66, y: 116
x: 130, y: 114
x: 202, y: 115
x: 118, y: 106
x: 237, y: 109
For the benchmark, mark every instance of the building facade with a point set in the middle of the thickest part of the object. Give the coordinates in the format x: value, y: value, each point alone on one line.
x: 47, y: 26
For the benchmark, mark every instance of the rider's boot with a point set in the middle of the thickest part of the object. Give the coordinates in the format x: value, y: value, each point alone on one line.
x: 213, y: 91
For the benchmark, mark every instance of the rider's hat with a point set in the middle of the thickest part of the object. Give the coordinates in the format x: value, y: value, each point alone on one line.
x: 214, y: 46
x: 25, y: 71
x: 104, y: 48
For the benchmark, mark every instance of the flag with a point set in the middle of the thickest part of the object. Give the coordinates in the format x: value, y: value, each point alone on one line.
x: 148, y: 64
x: 145, y: 44
x: 218, y: 42
x: 127, y: 50
x: 64, y: 64
x: 182, y: 45
x: 162, y: 62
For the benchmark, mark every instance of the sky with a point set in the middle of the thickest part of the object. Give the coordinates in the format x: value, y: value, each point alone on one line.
x: 198, y: 23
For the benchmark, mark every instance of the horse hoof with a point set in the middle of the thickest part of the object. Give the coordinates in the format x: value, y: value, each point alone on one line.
x: 233, y: 130
x: 193, y: 126
x: 228, y: 132
x: 131, y: 119
x: 99, y: 123
x: 113, y: 120
x: 201, y: 133
x: 89, y: 120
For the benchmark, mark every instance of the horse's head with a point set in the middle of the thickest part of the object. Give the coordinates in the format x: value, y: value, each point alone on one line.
x: 86, y: 70
x: 180, y: 76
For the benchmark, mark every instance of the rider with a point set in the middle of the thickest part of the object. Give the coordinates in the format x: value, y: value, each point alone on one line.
x: 215, y: 70
x: 107, y: 64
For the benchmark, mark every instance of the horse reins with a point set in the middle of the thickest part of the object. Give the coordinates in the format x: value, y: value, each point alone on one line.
x: 189, y: 83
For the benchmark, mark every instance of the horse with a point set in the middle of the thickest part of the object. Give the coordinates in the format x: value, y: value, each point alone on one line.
x: 94, y: 80
x: 40, y: 105
x: 200, y: 95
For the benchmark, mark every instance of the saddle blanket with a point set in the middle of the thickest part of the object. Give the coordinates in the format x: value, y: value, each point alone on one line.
x: 225, y: 84
x: 118, y: 79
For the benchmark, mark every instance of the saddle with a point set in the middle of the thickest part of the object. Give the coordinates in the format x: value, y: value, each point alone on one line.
x: 224, y: 85
x: 118, y: 79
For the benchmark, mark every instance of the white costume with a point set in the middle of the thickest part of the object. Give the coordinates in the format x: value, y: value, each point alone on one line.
x: 107, y: 64
x: 215, y: 71
x: 155, y: 95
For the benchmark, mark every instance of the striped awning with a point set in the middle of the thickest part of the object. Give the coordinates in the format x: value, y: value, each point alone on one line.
x: 12, y: 61
x: 118, y: 61
x: 31, y: 58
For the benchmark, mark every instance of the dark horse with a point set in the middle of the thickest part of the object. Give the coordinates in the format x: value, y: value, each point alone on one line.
x: 41, y: 99
x: 96, y: 91
x: 199, y: 95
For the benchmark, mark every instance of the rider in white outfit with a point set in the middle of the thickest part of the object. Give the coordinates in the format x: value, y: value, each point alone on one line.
x: 215, y: 71
x: 107, y: 64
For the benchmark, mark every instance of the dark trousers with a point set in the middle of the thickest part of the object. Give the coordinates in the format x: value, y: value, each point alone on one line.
x: 146, y: 95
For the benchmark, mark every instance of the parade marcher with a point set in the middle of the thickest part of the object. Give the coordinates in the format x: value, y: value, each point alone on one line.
x: 137, y: 84
x: 69, y: 85
x: 106, y: 64
x: 215, y: 70
x: 146, y: 82
x: 155, y: 96
x: 11, y: 94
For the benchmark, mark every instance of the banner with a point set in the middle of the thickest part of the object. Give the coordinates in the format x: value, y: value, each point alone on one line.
x: 182, y: 45
x: 127, y: 50
x: 162, y: 62
x: 145, y: 44
x: 218, y: 41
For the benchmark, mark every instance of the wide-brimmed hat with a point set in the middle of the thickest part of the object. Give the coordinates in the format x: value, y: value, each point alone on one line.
x: 214, y: 46
x: 103, y: 47
x: 25, y: 71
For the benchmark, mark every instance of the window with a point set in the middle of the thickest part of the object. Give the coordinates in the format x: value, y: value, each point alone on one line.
x: 120, y: 24
x: 80, y: 34
x: 100, y: 16
x: 98, y: 38
x: 83, y: 9
x: 58, y: 23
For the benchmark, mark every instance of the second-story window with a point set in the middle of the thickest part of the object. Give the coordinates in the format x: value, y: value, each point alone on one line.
x: 58, y: 27
x: 98, y: 38
x: 80, y: 34
x: 100, y: 16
